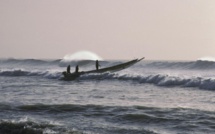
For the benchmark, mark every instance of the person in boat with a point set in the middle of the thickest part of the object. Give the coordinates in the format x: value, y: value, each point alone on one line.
x: 97, y: 65
x: 65, y: 73
x: 76, y: 69
x: 68, y: 69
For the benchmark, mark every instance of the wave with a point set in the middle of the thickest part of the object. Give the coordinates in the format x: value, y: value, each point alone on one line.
x: 68, y: 111
x: 41, y: 128
x: 20, y: 72
x: 27, y: 125
x: 95, y: 110
x: 188, y: 65
x: 130, y: 113
x: 33, y: 62
x: 157, y: 79
x: 176, y: 118
x: 19, y: 128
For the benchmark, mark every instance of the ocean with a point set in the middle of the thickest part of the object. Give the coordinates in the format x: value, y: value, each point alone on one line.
x: 150, y: 97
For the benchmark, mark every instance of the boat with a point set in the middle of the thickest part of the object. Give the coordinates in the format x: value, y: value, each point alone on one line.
x: 119, y: 67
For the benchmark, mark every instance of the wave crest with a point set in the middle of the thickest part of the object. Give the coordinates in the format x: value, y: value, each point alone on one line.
x: 20, y: 72
x: 158, y: 79
x: 192, y: 65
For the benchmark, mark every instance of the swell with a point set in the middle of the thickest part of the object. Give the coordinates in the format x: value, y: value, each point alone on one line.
x: 34, y: 62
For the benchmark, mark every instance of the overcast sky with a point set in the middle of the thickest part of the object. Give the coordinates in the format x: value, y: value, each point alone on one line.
x: 113, y: 29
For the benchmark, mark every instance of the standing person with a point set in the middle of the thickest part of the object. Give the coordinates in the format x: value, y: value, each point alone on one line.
x: 76, y: 69
x: 97, y: 65
x: 68, y: 69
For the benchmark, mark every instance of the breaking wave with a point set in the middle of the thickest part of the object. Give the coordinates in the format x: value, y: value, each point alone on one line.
x: 27, y: 125
x: 158, y: 79
x: 155, y: 78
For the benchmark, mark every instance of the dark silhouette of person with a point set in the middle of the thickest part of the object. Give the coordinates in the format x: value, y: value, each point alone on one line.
x: 68, y: 69
x: 76, y: 69
x: 97, y: 65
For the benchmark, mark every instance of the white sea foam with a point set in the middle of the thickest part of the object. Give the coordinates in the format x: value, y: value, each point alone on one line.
x: 207, y: 59
x: 81, y: 55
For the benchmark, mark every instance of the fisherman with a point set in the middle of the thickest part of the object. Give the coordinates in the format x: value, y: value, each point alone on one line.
x: 97, y: 65
x: 68, y: 69
x: 76, y: 69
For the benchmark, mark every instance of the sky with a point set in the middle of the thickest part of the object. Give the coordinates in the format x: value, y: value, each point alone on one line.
x: 112, y: 29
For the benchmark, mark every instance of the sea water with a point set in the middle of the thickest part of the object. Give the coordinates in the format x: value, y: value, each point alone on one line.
x: 150, y: 97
